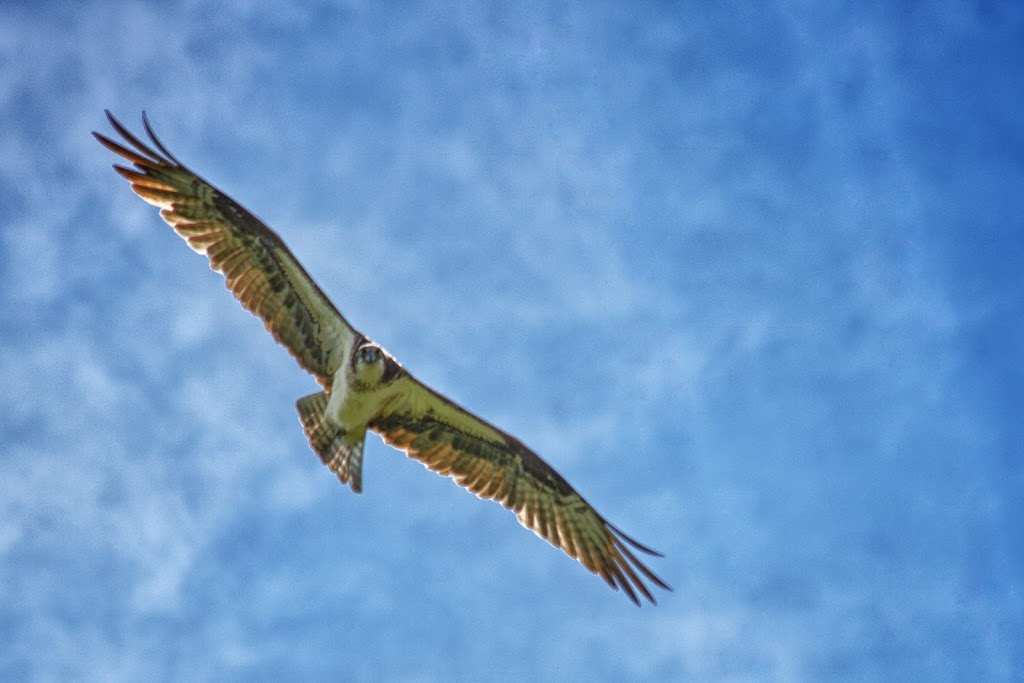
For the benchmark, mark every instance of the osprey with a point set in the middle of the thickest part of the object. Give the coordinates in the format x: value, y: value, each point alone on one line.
x: 363, y: 386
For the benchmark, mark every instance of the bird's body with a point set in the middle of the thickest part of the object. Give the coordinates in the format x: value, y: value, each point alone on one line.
x: 364, y: 387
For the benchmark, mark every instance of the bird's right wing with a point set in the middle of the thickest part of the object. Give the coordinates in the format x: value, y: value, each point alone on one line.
x: 259, y: 268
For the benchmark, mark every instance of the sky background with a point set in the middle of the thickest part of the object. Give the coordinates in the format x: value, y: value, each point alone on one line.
x: 750, y: 278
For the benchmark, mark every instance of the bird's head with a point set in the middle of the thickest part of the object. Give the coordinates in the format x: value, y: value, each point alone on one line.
x: 369, y: 365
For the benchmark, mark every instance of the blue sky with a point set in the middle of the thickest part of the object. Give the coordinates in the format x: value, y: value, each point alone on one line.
x: 749, y: 278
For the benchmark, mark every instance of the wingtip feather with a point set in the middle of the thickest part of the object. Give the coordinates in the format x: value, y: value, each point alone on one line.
x: 156, y: 140
x: 632, y: 541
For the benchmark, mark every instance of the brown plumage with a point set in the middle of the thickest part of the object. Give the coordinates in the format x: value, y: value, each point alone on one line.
x: 258, y: 268
x: 364, y: 387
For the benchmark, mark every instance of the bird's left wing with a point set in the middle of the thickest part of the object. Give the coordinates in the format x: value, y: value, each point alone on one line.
x: 259, y: 268
x: 451, y: 441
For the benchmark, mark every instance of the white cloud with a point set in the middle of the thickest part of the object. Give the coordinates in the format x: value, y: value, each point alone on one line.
x: 711, y: 285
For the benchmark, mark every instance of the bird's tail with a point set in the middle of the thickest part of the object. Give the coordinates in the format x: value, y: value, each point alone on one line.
x: 329, y: 440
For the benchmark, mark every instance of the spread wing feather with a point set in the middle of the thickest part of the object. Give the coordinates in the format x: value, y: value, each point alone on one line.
x: 270, y: 283
x: 492, y: 464
x: 259, y: 269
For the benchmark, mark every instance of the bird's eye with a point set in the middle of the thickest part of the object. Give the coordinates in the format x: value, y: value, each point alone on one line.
x: 369, y: 354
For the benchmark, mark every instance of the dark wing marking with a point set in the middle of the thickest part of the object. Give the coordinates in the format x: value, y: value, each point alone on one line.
x: 259, y: 269
x: 492, y: 464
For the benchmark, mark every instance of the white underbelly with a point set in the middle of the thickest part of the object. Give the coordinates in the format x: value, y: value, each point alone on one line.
x: 351, y: 409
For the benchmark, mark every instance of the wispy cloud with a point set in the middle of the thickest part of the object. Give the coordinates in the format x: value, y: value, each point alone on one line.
x: 745, y: 278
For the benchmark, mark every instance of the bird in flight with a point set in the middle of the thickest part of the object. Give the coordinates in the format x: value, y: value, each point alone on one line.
x: 364, y: 387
